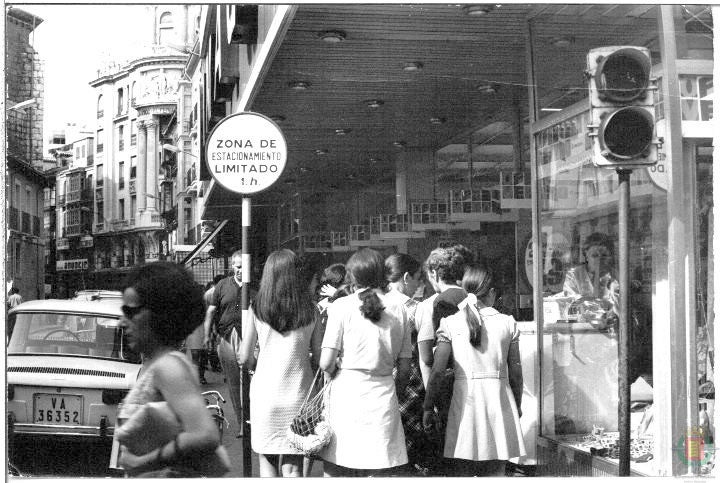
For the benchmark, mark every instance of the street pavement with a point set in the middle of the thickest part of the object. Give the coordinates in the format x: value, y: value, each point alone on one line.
x: 234, y: 445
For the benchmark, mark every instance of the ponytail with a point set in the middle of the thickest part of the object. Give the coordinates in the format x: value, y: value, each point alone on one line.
x: 474, y: 327
x: 371, y: 307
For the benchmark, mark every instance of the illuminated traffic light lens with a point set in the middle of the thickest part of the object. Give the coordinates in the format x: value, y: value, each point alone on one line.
x: 623, y: 76
x: 627, y: 133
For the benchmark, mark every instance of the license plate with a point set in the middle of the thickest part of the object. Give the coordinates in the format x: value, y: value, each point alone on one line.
x: 60, y: 409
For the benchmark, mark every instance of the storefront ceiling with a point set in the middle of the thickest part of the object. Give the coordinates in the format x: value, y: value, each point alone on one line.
x: 458, y: 53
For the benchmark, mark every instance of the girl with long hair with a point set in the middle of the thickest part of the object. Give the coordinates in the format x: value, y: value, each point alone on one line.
x: 282, y: 322
x: 365, y: 339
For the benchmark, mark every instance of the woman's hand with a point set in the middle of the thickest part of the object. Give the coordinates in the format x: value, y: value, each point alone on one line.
x: 327, y: 290
x: 429, y: 420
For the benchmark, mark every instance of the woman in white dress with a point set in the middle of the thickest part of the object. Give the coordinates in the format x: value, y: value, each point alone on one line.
x: 483, y: 426
x: 282, y: 321
x: 365, y: 338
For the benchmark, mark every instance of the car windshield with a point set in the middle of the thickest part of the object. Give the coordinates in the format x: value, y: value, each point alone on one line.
x: 69, y: 334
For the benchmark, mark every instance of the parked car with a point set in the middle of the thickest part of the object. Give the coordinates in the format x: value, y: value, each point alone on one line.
x: 68, y: 367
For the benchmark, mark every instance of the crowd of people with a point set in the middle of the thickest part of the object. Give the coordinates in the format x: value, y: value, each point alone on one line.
x: 418, y: 386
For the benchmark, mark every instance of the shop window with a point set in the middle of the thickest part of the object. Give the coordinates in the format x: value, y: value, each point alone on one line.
x: 580, y: 306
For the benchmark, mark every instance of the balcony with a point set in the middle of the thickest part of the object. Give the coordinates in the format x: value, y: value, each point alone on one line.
x: 119, y: 224
x: 340, y: 241
x: 72, y: 230
x: 13, y: 218
x: 99, y: 226
x: 131, y: 187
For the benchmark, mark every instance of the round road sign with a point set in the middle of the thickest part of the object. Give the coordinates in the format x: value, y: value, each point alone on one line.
x: 246, y: 153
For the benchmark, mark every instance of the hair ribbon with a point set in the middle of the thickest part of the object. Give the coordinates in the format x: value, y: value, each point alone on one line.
x: 471, y: 301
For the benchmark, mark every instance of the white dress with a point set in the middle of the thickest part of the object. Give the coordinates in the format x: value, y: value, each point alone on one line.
x: 362, y: 405
x: 483, y: 422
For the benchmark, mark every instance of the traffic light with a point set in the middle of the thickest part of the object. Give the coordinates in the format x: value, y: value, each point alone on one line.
x: 622, y: 110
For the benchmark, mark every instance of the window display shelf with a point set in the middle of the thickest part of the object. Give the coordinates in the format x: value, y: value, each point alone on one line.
x: 429, y: 215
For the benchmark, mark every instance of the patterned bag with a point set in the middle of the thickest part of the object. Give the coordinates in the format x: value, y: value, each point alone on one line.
x: 310, y: 431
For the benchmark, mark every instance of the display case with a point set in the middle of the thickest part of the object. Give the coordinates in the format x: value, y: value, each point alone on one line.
x: 429, y: 214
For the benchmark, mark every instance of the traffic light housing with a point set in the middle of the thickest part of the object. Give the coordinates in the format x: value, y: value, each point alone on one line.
x: 622, y: 109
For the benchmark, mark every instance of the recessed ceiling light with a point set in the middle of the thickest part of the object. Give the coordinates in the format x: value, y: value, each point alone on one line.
x: 321, y: 152
x: 412, y: 66
x: 332, y: 36
x: 487, y: 88
x: 399, y: 144
x: 343, y: 131
x: 478, y: 10
x: 562, y: 42
x: 277, y: 118
x: 550, y: 109
x: 299, y: 85
x: 374, y: 103
x: 437, y: 120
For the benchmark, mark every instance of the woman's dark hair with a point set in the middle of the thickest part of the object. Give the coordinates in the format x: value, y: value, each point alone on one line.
x: 333, y: 275
x: 398, y: 264
x: 343, y: 291
x: 599, y: 239
x: 449, y: 262
x: 170, y: 293
x: 366, y: 269
x: 477, y: 280
x: 282, y: 300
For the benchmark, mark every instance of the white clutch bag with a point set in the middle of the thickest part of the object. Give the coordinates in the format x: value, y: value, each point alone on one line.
x: 154, y: 425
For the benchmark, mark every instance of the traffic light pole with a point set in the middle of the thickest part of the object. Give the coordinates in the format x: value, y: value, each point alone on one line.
x: 624, y: 325
x: 245, y: 305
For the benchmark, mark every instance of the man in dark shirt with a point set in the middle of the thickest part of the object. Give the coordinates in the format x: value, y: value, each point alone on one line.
x: 226, y: 300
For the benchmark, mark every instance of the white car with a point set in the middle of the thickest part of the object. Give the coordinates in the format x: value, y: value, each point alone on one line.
x: 68, y: 366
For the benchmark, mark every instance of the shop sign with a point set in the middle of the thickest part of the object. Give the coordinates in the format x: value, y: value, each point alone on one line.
x: 246, y: 153
x: 86, y: 241
x: 62, y: 244
x: 71, y: 265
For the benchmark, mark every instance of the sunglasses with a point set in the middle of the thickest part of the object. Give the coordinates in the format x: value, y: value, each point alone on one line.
x: 130, y: 312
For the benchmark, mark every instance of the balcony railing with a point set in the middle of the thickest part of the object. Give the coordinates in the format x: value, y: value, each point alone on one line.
x: 119, y: 224
x: 132, y: 186
x: 121, y: 145
x: 13, y: 218
x: 100, y: 148
x: 100, y: 226
x: 133, y: 139
x: 156, y: 218
x: 71, y: 230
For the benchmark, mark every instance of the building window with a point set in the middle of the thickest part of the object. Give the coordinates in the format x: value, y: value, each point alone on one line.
x: 120, y: 101
x: 133, y: 93
x: 99, y: 211
x: 100, y: 141
x: 121, y: 209
x: 58, y: 139
x: 133, y: 206
x: 77, y: 152
x: 99, y: 174
x: 165, y: 29
x: 121, y: 175
x: 82, y: 151
x: 133, y: 132
x: 121, y: 138
x: 100, y: 111
x: 133, y: 166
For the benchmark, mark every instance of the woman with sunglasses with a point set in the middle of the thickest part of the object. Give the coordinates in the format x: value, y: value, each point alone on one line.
x: 162, y: 305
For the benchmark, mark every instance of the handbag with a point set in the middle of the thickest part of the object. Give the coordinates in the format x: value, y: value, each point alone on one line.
x: 310, y: 430
x: 155, y: 424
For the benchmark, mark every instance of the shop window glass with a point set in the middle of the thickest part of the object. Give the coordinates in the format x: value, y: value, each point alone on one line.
x: 579, y: 266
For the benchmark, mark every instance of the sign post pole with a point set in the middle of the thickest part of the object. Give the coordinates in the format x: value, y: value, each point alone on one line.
x: 246, y: 154
x: 245, y: 306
